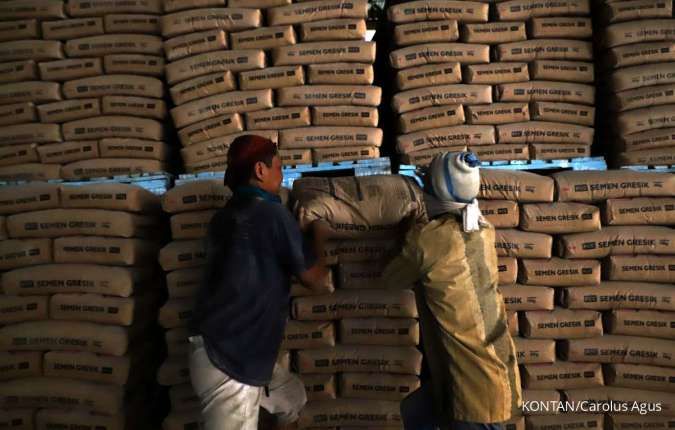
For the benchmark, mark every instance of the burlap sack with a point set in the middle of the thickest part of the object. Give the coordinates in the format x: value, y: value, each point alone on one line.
x: 426, y: 32
x: 113, y: 126
x: 16, y: 71
x: 195, y: 43
x: 625, y: 422
x: 544, y: 402
x: 295, y: 156
x: 69, y: 110
x: 517, y: 186
x: 92, y: 367
x: 356, y: 304
x: 356, y: 51
x: 347, y: 153
x: 353, y: 116
x: 434, y: 53
x: 203, y: 86
x: 563, y: 112
x: 390, y: 359
x: 508, y: 270
x: 308, y: 335
x: 561, y: 324
x: 559, y: 218
x: 105, y: 7
x: 132, y: 22
x: 497, y: 113
x: 512, y: 323
x: 191, y: 225
x: 598, y: 186
x: 500, y: 213
x: 138, y: 64
x: 617, y: 241
x: 562, y: 376
x: 317, y: 11
x: 240, y: 60
x: 18, y: 113
x: 108, y: 167
x: 14, y: 309
x: 209, y: 107
x: 377, y: 386
x: 19, y: 30
x: 15, y: 365
x: 134, y: 148
x: 647, y: 323
x: 18, y: 154
x: 641, y: 211
x: 545, y: 49
x: 662, y: 404
x: 640, y: 268
x: 641, y: 76
x: 566, y: 71
x: 76, y: 68
x: 319, y: 387
x: 639, y: 377
x: 521, y: 244
x: 643, y: 53
x: 560, y: 28
x: 36, y: 133
x: 136, y: 106
x: 526, y: 298
x: 565, y: 421
x: 27, y: 252
x: 329, y: 95
x: 524, y: 9
x: 70, y: 29
x: 333, y: 29
x: 530, y: 351
x: 104, y: 250
x: 446, y: 136
x: 620, y: 295
x: 620, y: 349
x: 227, y: 19
x: 434, y: 117
x: 430, y: 76
x: 625, y: 33
x: 501, y: 152
x: 340, y: 73
x: 558, y: 272
x: 272, y: 77
x: 636, y: 9
x: 545, y: 91
x: 544, y: 132
x: 174, y: 371
x: 219, y: 126
x: 68, y: 152
x: 494, y: 32
x: 183, y: 398
x: 379, y: 331
x: 278, y: 118
x: 649, y: 157
x: 182, y: 254
x: 431, y: 10
x: 37, y: 50
x: 98, y: 46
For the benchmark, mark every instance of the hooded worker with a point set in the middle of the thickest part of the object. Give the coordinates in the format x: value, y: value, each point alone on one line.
x: 452, y: 262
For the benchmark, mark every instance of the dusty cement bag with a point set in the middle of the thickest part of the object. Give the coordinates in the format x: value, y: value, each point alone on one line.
x: 46, y: 419
x: 27, y: 252
x: 502, y: 152
x: 195, y: 196
x: 496, y: 73
x: 379, y: 331
x: 137, y: 64
x: 19, y: 154
x: 551, y: 398
x: 174, y: 371
x: 76, y: 68
x: 18, y: 113
x: 37, y: 50
x: 107, y: 167
x: 643, y: 97
x: 36, y: 133
x: 15, y: 365
x: 545, y: 49
x: 434, y: 53
x: 92, y: 367
x: 500, y: 213
x: 113, y: 126
x: 424, y: 157
x: 614, y: 12
x: 105, y: 7
x: 101, y: 309
x: 377, y: 386
x: 183, y: 398
x: 556, y: 218
x: 561, y: 324
x: 522, y: 187
x: 17, y: 71
x: 563, y: 112
x: 68, y: 152
x: 308, y: 335
x: 497, y: 113
x: 264, y: 38
x: 121, y: 197
x: 642, y: 53
x: 317, y: 11
x: 426, y: 32
x: 566, y: 71
x: 329, y: 137
x: 215, y: 150
x: 19, y: 30
x: 178, y: 339
x: 620, y: 349
x: 213, y: 62
x: 195, y: 43
x: 565, y: 421
x: 223, y: 125
x: 220, y: 104
x: 544, y: 132
x: 642, y: 76
x: 662, y: 156
x: 645, y: 323
x: 30, y: 172
x: 295, y: 156
x: 98, y: 46
x: 355, y: 116
x: 598, y: 186
x: 34, y: 91
x: 662, y: 404
x: 525, y: 298
x: 340, y: 74
x: 134, y: 148
x: 558, y: 272
x: 555, y: 151
x: 531, y: 351
x: 619, y: 295
x: 202, y: 19
x: 545, y: 91
x: 272, y: 77
x: 507, y: 268
x: 434, y: 117
x: 184, y: 282
x: 319, y: 387
x: 639, y: 211
x: 430, y: 76
x: 70, y: 29
x: 182, y: 254
x: 432, y: 10
x: 617, y: 241
x: 341, y: 358
x: 183, y: 420
x: 191, y: 225
x: 278, y: 118
x: 494, y: 32
x: 347, y: 153
x: 372, y: 414
x: 203, y: 86
x: 69, y: 110
x: 516, y: 10
x: 638, y: 120
x: 625, y: 422
x: 560, y: 28
x: 324, y: 52
x: 651, y: 139
x: 360, y: 251
x: 360, y: 275
x: 14, y: 309
x: 445, y: 137
x: 641, y: 268
x: 136, y: 106
x: 626, y: 33
x: 521, y: 244
x: 639, y: 377
x: 104, y: 250
x: 356, y: 304
x: 132, y: 23
x: 333, y: 29
x: 176, y: 313
x: 329, y: 95
x: 562, y: 376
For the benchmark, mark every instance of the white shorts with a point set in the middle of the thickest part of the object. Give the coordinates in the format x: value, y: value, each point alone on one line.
x: 232, y: 405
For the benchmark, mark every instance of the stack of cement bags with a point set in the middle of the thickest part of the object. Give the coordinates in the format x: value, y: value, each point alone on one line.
x: 639, y: 62
x: 112, y: 114
x: 355, y: 348
x: 79, y: 305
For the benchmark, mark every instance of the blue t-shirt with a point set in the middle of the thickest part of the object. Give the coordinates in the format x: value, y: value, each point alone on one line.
x: 254, y: 247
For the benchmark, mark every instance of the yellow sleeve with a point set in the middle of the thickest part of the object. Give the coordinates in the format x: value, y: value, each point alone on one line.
x: 404, y: 270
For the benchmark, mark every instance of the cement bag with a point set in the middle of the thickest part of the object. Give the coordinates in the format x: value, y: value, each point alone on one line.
x: 137, y: 64
x: 360, y: 275
x: 373, y: 414
x: 356, y: 304
x: 566, y: 71
x: 525, y: 298
x: 176, y: 5
x: 433, y: 53
x: 347, y: 153
x: 496, y: 73
x: 440, y: 96
x: 98, y: 46
x: 342, y: 203
x: 641, y: 268
x: 278, y: 118
x: 515, y: 10
x: 296, y: 156
x: 432, y: 10
x: 134, y: 148
x: 28, y: 197
x: 426, y: 32
x: 65, y: 336
x: 329, y: 95
x: 65, y: 70
x: 308, y: 335
x: 663, y: 404
x: 195, y: 43
x: 213, y: 62
x: 651, y: 157
x: 68, y: 152
x: 36, y: 50
x: 530, y: 351
x: 183, y: 398
x: 191, y: 225
x: 563, y: 112
x: 559, y: 218
x: 19, y: 30
x: 108, y: 167
x: 642, y: 97
x: 537, y: 396
x: 379, y: 331
x: 69, y: 110
x: 561, y: 324
x: 101, y: 309
x: 113, y: 126
x: 92, y: 367
x: 333, y: 29
x: 176, y: 313
x: 620, y: 349
x: 178, y: 339
x: 317, y: 11
x: 319, y: 387
x: 37, y: 92
x: 17, y: 71
x: 641, y: 53
x: 174, y: 371
x: 434, y: 117
x: 558, y: 272
x: 638, y: 120
x: 424, y: 157
x: 264, y: 38
x: 645, y: 323
x: 494, y: 32
x: 123, y: 197
x: 182, y: 254
x: 212, y: 128
x: 220, y: 104
x: 389, y: 359
x: 500, y: 213
x: 563, y: 421
x: 203, y: 86
x: 377, y: 386
x: 329, y: 137
x: 184, y: 282
x: 272, y: 77
x: 546, y: 92
x: 562, y: 376
x: 561, y: 28
x: 61, y: 393
x: 195, y: 196
x: 15, y: 365
x: 18, y: 154
x: 507, y: 267
x: 641, y: 211
x: 626, y: 33
x: 515, y: 423
x: 623, y: 422
x: 360, y: 251
x: 53, y: 418
x: 620, y: 295
x: 131, y: 22
x: 228, y: 19
x: 446, y: 136
x: 258, y: 4
x: 14, y: 309
x: 642, y: 76
x: 502, y: 152
x: 350, y: 116
x: 545, y: 49
x: 497, y: 113
x: 340, y: 74
x: 30, y: 172
x: 105, y: 7
x: 517, y: 186
x: 182, y: 420
x: 429, y: 76
x: 558, y: 151
x: 137, y: 106
x: 617, y: 241
x: 598, y: 186
x: 299, y: 290
x: 636, y: 9
x: 639, y: 377
x: 36, y: 133
x: 18, y: 113
x: 324, y: 52
x: 515, y: 243
x: 104, y: 250
x: 27, y: 252
x: 215, y: 150
x: 544, y: 132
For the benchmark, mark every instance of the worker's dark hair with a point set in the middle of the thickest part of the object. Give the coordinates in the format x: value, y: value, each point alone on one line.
x: 243, y: 155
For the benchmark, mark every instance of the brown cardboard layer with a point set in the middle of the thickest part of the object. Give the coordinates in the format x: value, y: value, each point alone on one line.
x: 497, y: 113
x: 431, y: 10
x: 500, y: 213
x: 517, y: 186
x: 641, y: 268
x: 202, y: 19
x: 526, y: 298
x: 558, y: 272
x: 65, y: 70
x: 561, y: 324
x: 619, y: 295
x: 341, y: 73
x: 620, y: 349
x: 240, y: 60
x: 534, y: 350
x: 70, y: 28
x: 211, y: 128
x: 563, y: 112
x: 195, y: 43
x: 566, y: 71
x: 220, y: 104
x: 562, y: 376
x: 390, y: 359
x: 639, y: 211
x: 522, y: 244
x: 203, y: 86
x: 98, y: 46
x: 523, y: 9
x: 559, y: 218
x: 446, y: 136
x: 545, y: 91
x: 333, y: 29
x: 356, y: 304
x: 494, y: 32
x: 429, y: 76
x: 379, y: 331
x: 434, y: 117
x: 317, y: 11
x: 647, y: 323
x: 357, y: 116
x: 545, y: 49
x: 560, y: 28
x: 618, y: 240
x: 426, y: 32
x: 434, y: 53
x: 617, y: 184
